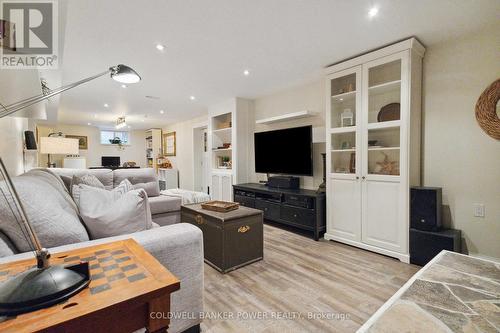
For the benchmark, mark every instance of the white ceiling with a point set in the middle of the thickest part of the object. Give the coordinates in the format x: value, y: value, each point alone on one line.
x: 208, y: 44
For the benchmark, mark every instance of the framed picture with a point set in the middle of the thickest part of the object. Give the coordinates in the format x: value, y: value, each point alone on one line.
x: 169, y: 145
x: 83, y: 142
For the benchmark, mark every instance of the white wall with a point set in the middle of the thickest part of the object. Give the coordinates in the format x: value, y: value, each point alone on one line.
x: 12, y: 143
x: 135, y: 151
x: 184, y: 141
x: 457, y: 154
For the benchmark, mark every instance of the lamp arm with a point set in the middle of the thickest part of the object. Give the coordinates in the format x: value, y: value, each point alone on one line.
x: 9, y: 109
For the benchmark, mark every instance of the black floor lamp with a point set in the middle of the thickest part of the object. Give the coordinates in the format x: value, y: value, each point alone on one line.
x: 43, y: 285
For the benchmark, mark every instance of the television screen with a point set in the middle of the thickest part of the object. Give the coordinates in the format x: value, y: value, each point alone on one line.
x: 287, y: 151
x: 107, y: 161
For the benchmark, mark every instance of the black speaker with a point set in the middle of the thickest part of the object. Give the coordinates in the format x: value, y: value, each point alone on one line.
x: 284, y: 182
x: 425, y: 208
x: 425, y: 245
x: 29, y: 139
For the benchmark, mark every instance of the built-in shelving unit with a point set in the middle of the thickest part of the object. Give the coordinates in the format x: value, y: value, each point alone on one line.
x: 373, y: 147
x: 228, y: 151
x: 153, y: 147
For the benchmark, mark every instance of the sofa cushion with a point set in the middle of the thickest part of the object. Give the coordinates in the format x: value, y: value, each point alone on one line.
x: 49, y: 208
x: 145, y: 178
x: 164, y: 204
x: 112, y: 213
x: 105, y: 176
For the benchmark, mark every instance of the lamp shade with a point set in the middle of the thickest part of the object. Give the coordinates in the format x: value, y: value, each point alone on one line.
x: 58, y: 145
x: 124, y: 74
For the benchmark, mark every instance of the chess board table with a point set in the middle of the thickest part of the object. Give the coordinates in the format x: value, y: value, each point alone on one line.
x: 128, y: 285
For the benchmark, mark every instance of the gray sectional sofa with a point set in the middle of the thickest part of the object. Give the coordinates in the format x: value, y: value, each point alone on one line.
x: 54, y: 216
x: 165, y: 210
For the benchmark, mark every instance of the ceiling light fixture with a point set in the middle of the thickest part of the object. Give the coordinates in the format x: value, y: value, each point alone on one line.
x: 89, y: 124
x: 124, y: 86
x: 106, y: 105
x: 120, y: 123
x: 160, y: 47
x: 162, y: 112
x: 373, y: 12
x: 246, y: 72
x: 192, y: 98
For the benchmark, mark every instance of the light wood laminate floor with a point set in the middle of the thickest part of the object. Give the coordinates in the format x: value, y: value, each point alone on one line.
x: 300, y: 278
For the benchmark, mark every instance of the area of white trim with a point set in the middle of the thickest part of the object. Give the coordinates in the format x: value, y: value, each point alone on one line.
x: 285, y: 117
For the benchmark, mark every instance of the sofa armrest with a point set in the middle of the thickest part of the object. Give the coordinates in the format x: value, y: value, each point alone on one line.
x: 179, y: 248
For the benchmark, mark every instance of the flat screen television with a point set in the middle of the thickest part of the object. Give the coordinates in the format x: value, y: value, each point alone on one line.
x: 110, y: 161
x: 287, y: 151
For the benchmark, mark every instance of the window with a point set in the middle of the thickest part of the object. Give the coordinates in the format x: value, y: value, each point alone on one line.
x: 108, y: 136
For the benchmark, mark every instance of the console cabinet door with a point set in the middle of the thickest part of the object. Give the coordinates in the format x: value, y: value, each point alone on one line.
x: 344, y: 209
x: 216, y: 192
x: 226, y: 187
x: 383, y: 218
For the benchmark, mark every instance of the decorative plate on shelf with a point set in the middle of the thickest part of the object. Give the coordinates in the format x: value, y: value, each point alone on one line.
x: 389, y: 112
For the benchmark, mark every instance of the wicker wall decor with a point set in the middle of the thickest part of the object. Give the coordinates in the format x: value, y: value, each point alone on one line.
x: 486, y: 110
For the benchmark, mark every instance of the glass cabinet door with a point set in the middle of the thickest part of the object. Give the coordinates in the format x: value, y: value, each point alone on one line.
x: 344, y: 113
x: 383, y: 116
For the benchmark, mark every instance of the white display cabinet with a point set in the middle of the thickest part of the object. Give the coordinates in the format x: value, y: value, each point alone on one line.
x: 373, y: 147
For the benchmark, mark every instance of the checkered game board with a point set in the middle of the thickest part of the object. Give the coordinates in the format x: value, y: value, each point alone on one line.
x: 108, y: 268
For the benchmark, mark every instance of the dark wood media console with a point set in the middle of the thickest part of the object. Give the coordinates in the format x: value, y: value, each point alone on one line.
x: 302, y: 209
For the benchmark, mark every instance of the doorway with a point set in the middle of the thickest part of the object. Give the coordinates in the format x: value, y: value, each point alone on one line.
x: 200, y: 158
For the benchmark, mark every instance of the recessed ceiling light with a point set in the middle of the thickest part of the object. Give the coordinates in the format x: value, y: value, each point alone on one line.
x: 162, y: 112
x: 341, y: 99
x: 373, y: 12
x: 106, y: 105
x: 89, y: 124
x: 192, y: 98
x: 124, y: 86
x: 160, y: 47
x: 246, y: 72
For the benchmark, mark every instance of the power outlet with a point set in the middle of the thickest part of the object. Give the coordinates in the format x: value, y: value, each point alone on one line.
x: 479, y: 210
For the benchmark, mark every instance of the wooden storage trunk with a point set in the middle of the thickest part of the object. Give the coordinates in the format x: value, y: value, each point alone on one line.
x: 230, y: 240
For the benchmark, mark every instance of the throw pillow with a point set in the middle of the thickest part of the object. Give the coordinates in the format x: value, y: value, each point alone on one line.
x: 49, y: 208
x: 113, y: 213
x: 87, y: 179
x: 122, y: 188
